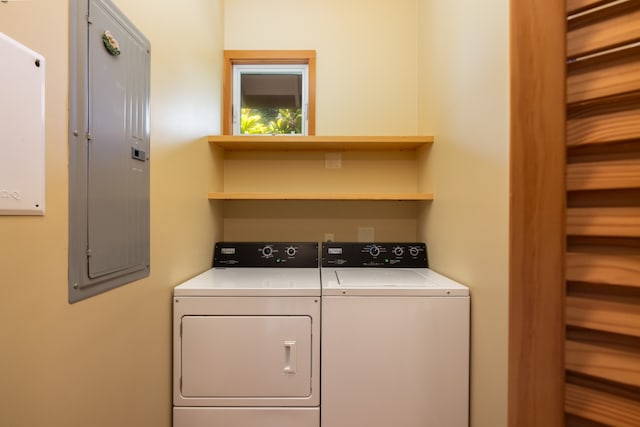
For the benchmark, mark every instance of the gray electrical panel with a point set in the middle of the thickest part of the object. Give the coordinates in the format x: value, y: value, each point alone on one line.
x: 109, y: 150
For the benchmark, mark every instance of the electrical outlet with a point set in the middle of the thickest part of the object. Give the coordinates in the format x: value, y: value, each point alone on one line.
x: 333, y: 160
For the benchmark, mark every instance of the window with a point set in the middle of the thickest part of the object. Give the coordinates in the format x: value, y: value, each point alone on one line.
x: 270, y: 99
x: 269, y: 92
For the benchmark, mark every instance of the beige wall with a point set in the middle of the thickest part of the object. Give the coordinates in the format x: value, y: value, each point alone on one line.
x: 366, y: 85
x: 106, y: 361
x: 366, y: 56
x: 437, y: 67
x: 464, y: 101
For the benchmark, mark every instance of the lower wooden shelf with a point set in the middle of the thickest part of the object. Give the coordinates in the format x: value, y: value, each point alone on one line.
x: 321, y: 196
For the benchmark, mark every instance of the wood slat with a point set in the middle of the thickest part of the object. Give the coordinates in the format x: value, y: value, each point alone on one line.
x: 610, y: 315
x: 601, y: 407
x: 614, y: 31
x: 603, y: 268
x: 609, y: 362
x: 575, y: 6
x: 604, y: 221
x: 604, y: 175
x: 604, y: 124
x: 603, y: 77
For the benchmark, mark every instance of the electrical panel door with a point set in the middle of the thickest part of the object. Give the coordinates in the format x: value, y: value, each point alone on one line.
x: 109, y: 150
x: 118, y: 183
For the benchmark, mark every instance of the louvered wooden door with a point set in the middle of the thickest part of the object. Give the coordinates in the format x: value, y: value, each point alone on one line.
x: 602, y: 306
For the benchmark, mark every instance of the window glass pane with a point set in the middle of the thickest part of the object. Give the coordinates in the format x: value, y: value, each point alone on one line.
x: 270, y: 121
x: 271, y: 90
x: 272, y: 99
x: 271, y: 103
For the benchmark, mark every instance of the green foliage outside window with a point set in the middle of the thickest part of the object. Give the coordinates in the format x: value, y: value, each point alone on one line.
x: 270, y: 121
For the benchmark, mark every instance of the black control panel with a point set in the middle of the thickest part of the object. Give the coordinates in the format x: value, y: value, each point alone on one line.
x: 266, y: 254
x: 407, y: 255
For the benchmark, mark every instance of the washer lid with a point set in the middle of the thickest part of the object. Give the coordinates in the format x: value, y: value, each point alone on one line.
x: 252, y: 282
x: 390, y: 282
x: 377, y: 278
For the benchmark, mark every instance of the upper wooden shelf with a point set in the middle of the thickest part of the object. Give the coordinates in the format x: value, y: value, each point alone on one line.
x: 319, y: 143
x: 321, y: 196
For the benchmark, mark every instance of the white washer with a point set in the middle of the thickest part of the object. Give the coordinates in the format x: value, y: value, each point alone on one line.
x: 395, y: 339
x: 247, y: 339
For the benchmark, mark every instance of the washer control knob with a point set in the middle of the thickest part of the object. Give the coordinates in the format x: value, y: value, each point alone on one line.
x: 413, y: 251
x: 267, y: 252
x: 291, y: 251
x: 374, y: 250
x: 398, y: 251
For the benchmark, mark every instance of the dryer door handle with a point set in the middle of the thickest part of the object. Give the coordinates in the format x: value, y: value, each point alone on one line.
x: 290, y: 357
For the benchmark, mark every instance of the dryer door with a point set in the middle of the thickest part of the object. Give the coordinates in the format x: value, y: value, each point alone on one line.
x: 246, y: 356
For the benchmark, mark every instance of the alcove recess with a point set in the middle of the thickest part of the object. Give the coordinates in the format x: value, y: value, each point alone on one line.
x: 288, y: 167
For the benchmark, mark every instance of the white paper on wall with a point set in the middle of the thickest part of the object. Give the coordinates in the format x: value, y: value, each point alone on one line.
x: 22, y: 145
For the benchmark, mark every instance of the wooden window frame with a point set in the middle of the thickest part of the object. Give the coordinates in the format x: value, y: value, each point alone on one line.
x: 264, y: 57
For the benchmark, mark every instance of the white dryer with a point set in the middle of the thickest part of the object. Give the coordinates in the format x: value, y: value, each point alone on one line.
x: 247, y: 339
x: 395, y: 339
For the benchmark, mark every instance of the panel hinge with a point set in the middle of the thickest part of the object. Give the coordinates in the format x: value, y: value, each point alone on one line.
x: 89, y: 136
x: 89, y: 253
x: 89, y: 19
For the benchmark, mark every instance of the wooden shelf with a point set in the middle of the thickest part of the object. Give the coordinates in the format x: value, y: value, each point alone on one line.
x: 322, y: 196
x: 319, y: 143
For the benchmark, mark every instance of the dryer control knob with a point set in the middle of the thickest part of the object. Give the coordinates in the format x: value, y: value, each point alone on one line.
x: 290, y: 251
x: 267, y: 251
x: 374, y: 250
x: 413, y: 251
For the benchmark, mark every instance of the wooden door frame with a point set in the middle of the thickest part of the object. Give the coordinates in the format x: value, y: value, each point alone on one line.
x: 537, y: 212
